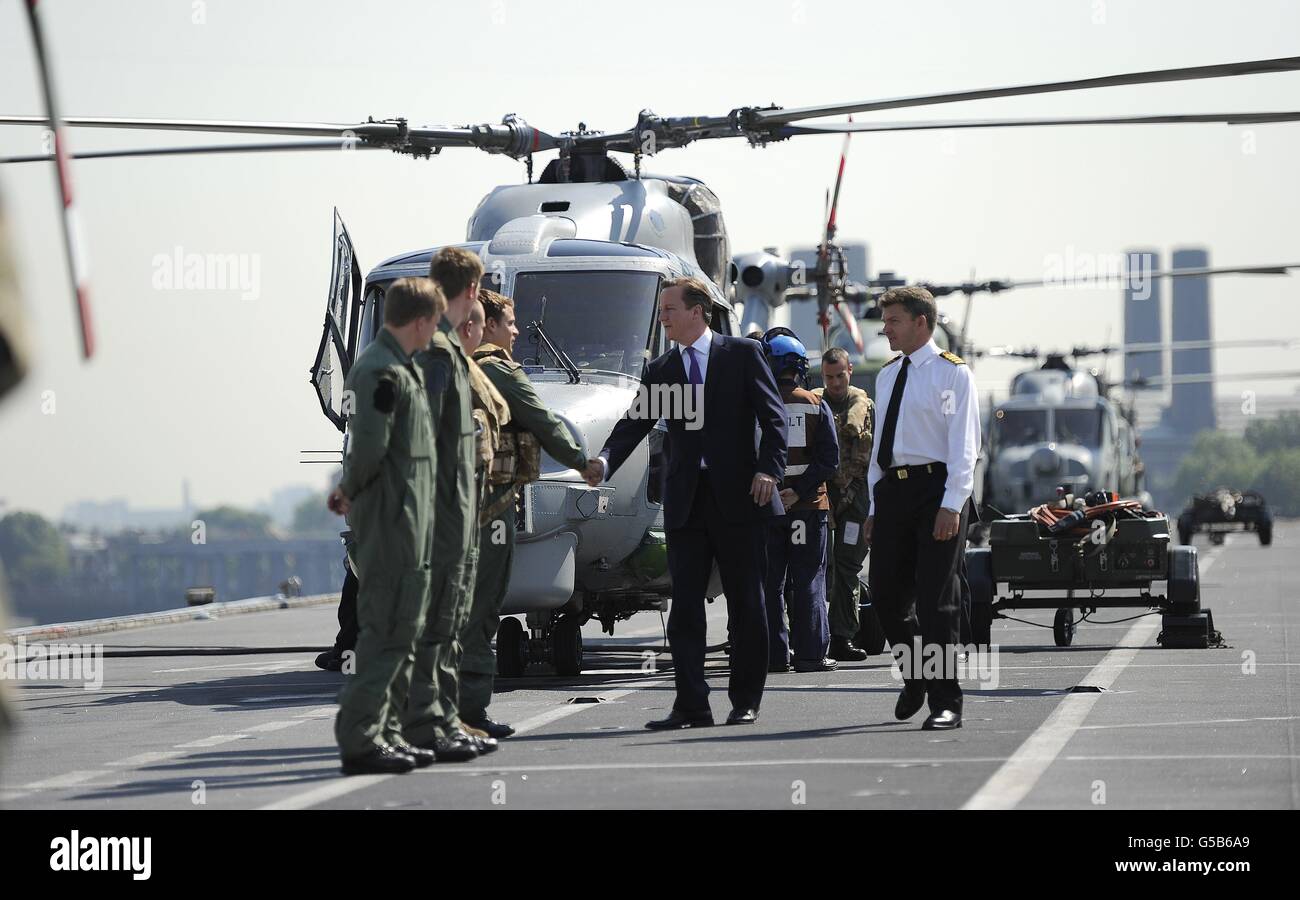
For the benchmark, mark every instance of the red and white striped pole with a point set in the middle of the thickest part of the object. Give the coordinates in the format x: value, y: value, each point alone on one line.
x: 77, y: 264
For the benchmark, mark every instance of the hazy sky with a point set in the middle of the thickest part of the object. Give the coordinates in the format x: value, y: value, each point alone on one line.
x: 212, y: 385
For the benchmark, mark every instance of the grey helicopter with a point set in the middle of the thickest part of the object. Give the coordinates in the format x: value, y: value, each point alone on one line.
x: 583, y: 250
x: 1064, y: 427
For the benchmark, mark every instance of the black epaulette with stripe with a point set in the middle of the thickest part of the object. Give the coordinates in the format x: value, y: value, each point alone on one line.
x: 952, y: 358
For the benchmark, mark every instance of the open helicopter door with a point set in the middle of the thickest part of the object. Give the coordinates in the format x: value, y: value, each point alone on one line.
x: 338, y: 342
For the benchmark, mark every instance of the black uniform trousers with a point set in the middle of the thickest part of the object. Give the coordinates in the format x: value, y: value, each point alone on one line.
x: 914, y: 580
x: 348, y: 627
x: 741, y: 553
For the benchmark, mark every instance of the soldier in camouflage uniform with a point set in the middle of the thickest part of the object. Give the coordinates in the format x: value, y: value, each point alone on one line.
x: 532, y: 428
x: 850, y: 504
x: 387, y: 492
x: 431, y: 717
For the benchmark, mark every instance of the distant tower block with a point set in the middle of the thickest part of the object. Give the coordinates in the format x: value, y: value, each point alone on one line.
x: 1191, y: 407
x: 1142, y: 319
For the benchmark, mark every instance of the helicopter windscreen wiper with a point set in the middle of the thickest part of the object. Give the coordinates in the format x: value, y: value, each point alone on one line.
x: 541, y: 337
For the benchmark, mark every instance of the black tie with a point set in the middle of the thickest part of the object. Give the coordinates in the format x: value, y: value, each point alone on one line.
x: 886, y: 455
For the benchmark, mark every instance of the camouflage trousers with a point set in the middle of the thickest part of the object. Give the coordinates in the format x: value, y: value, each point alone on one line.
x: 842, y: 587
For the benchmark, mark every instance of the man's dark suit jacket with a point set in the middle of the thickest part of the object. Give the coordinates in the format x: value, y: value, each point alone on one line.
x: 739, y: 393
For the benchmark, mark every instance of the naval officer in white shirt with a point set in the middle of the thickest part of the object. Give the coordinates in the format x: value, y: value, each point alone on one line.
x: 920, y: 480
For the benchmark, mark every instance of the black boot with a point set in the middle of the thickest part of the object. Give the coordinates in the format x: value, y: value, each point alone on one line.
x: 383, y: 760
x: 843, y: 650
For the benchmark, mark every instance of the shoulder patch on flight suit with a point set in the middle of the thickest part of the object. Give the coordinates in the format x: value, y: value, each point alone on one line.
x: 894, y: 360
x: 952, y: 358
x: 500, y: 355
x: 386, y: 393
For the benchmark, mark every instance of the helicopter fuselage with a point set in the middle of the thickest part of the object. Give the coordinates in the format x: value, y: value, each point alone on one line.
x: 597, y: 300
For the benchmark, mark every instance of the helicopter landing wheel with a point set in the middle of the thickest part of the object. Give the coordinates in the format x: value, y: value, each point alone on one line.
x: 566, y: 646
x: 512, y: 656
x: 1063, y: 627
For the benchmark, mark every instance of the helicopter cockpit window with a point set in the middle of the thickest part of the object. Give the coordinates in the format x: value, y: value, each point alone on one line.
x: 1020, y: 427
x: 602, y: 320
x: 1079, y: 426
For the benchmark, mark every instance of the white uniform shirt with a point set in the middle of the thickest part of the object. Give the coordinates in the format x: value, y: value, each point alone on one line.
x: 701, y: 345
x: 938, y: 421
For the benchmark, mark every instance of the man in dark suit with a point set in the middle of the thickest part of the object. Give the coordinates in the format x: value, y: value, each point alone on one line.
x: 725, y: 456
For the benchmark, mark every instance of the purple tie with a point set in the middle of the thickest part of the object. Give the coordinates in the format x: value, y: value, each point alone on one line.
x: 695, y: 367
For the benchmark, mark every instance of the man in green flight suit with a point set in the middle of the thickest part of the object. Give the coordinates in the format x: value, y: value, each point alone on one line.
x: 387, y: 493
x: 532, y: 428
x: 431, y: 720
x: 849, y: 501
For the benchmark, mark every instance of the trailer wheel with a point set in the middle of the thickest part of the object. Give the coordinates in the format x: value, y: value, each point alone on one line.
x: 566, y: 646
x: 512, y: 656
x: 1063, y: 627
x: 1184, y: 582
x: 979, y: 574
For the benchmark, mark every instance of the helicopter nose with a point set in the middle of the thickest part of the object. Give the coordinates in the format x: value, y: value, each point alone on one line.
x: 1045, y: 461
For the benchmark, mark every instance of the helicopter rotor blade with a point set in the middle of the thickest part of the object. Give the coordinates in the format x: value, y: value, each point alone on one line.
x: 77, y: 264
x: 285, y: 129
x: 1163, y: 380
x: 1191, y: 73
x: 513, y: 137
x: 1157, y: 346
x: 850, y: 325
x: 1128, y: 279
x: 761, y: 125
x: 1242, y: 118
x: 839, y: 180
x: 1138, y: 276
x: 188, y: 151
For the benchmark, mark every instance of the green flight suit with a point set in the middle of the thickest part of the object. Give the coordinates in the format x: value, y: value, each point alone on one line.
x: 388, y: 474
x: 431, y: 710
x: 497, y: 536
x: 849, y: 507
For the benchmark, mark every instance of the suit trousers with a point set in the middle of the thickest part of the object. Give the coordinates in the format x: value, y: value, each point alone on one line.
x: 914, y: 581
x: 741, y: 554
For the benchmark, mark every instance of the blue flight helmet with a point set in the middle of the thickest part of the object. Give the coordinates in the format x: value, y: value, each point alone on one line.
x: 784, y: 351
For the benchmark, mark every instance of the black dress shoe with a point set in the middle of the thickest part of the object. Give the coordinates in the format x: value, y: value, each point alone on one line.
x: 742, y: 717
x: 456, y: 748
x: 844, y: 650
x: 379, y: 761
x: 777, y: 668
x: 421, y: 756
x: 815, y: 665
x: 910, y: 700
x: 480, y: 739
x: 493, y: 729
x: 944, y: 720
x: 330, y: 661
x: 680, y: 720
